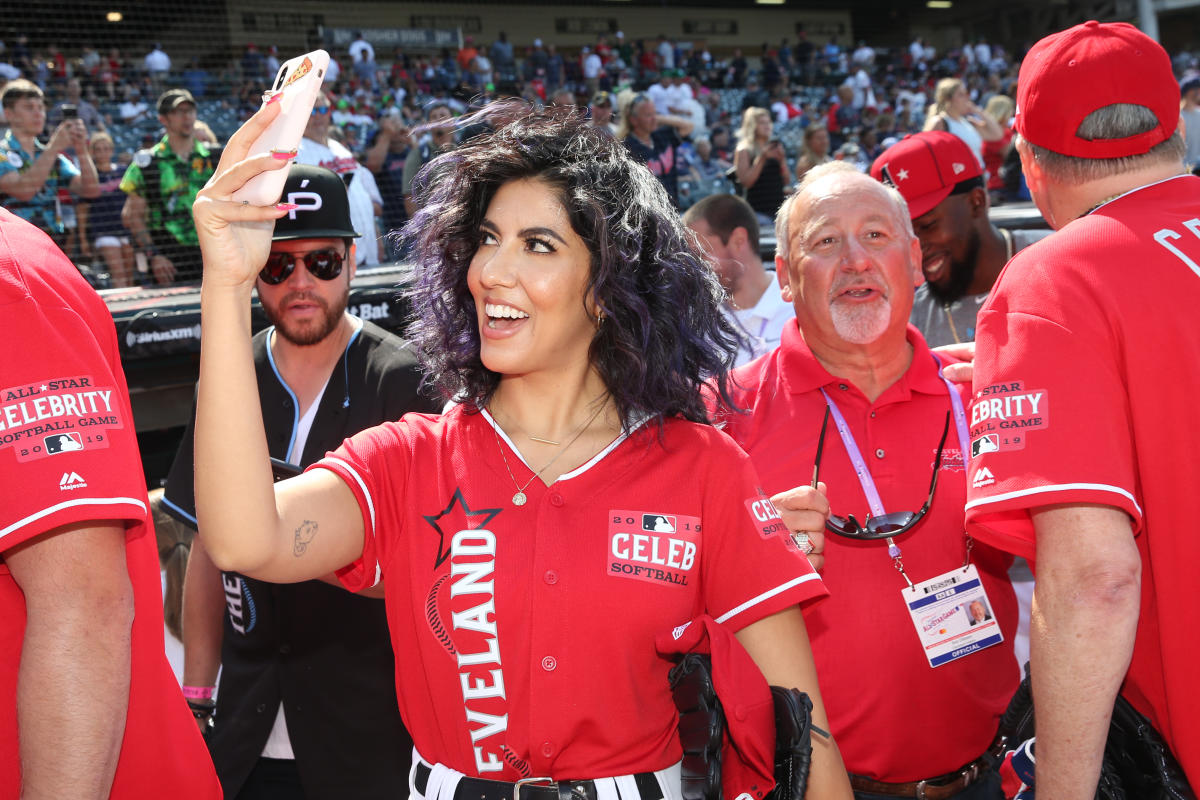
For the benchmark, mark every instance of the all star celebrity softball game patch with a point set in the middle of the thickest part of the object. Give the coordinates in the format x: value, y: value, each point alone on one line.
x: 57, y: 415
x: 1003, y: 414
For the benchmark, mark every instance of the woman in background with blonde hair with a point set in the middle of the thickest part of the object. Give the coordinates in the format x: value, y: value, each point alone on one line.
x: 100, y: 227
x: 954, y: 111
x: 761, y: 163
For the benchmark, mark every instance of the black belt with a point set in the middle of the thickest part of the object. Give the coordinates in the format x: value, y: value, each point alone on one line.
x: 943, y: 786
x: 534, y: 788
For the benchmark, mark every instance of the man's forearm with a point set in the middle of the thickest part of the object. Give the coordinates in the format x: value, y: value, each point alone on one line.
x: 1085, y: 613
x: 31, y: 181
x: 378, y: 152
x: 72, y: 699
x: 203, y: 618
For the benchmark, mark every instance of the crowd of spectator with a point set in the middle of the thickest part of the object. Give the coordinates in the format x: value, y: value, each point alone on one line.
x: 725, y: 121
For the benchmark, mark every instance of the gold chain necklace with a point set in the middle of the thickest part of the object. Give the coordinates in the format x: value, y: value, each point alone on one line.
x: 519, y: 499
x: 1008, y: 248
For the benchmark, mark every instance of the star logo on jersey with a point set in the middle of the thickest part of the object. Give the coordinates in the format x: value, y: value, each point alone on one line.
x: 457, y: 516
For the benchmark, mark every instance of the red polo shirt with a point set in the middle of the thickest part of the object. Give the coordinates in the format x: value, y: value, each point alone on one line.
x: 529, y: 631
x: 895, y: 718
x: 1088, y: 369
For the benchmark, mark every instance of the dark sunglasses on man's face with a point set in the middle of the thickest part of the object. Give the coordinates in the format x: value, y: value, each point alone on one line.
x: 323, y: 264
x: 884, y: 526
x: 320, y: 110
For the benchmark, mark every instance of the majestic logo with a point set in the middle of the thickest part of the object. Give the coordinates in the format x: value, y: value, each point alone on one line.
x: 983, y: 477
x: 71, y: 480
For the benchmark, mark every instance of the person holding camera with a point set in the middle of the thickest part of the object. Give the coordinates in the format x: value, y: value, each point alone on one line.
x: 32, y: 173
x: 761, y: 164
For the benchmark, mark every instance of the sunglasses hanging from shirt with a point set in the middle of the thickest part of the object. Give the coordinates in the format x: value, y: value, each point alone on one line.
x: 951, y: 612
x: 322, y: 264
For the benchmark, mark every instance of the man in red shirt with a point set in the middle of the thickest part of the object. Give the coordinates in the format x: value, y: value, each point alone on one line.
x: 1083, y: 442
x: 914, y: 682
x: 89, y: 707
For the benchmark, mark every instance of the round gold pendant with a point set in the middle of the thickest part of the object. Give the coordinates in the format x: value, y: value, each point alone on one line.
x: 519, y: 499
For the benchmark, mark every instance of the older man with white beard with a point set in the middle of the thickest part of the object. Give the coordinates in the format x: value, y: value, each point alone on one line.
x: 913, y: 689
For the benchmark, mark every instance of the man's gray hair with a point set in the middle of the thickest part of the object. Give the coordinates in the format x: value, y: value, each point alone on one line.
x: 1116, y: 121
x: 812, y: 176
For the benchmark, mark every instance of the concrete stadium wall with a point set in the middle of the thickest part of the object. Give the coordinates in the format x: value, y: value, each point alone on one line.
x: 291, y: 25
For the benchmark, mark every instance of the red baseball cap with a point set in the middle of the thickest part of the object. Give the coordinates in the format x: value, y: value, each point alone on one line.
x: 1070, y: 74
x: 926, y: 168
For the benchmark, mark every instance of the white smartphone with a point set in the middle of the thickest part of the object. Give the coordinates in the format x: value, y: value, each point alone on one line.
x: 299, y: 82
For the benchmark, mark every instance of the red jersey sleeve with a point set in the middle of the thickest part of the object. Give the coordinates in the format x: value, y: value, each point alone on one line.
x: 68, y: 450
x: 751, y: 568
x: 374, y: 464
x: 1050, y: 416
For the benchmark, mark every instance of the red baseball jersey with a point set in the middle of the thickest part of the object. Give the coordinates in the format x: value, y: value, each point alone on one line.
x: 528, y: 632
x: 875, y: 678
x: 68, y: 454
x: 1087, y: 371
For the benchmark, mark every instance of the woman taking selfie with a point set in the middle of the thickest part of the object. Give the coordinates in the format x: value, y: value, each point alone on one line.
x: 571, y: 506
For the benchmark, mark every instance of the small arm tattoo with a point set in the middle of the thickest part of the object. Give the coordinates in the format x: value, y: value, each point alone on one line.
x: 304, y: 535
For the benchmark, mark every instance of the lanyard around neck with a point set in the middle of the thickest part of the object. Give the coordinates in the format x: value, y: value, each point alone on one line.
x: 860, y: 465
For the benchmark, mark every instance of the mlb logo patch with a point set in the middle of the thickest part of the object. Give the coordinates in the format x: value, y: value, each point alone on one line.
x: 659, y: 523
x: 63, y: 443
x: 985, y: 444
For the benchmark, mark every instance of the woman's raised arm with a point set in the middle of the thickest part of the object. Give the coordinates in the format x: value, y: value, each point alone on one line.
x: 302, y: 528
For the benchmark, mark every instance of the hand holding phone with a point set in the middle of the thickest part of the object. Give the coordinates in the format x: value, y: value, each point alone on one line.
x: 296, y: 88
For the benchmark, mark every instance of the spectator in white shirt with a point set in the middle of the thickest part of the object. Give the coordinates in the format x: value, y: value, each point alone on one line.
x: 366, y: 203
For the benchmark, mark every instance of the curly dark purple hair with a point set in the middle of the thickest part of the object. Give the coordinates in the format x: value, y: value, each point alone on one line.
x: 664, y: 334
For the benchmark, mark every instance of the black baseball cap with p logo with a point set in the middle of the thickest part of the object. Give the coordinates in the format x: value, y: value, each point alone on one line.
x: 323, y: 207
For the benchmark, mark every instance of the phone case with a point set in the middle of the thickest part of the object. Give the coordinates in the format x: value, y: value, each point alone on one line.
x: 299, y: 80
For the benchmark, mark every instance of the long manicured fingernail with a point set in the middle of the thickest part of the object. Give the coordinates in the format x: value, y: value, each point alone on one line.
x: 286, y: 206
x: 273, y: 97
x: 283, y: 155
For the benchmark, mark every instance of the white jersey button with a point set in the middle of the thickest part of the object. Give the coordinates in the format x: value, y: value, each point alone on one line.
x: 549, y: 663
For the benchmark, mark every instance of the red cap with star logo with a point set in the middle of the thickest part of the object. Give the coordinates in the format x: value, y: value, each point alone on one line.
x: 926, y: 168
